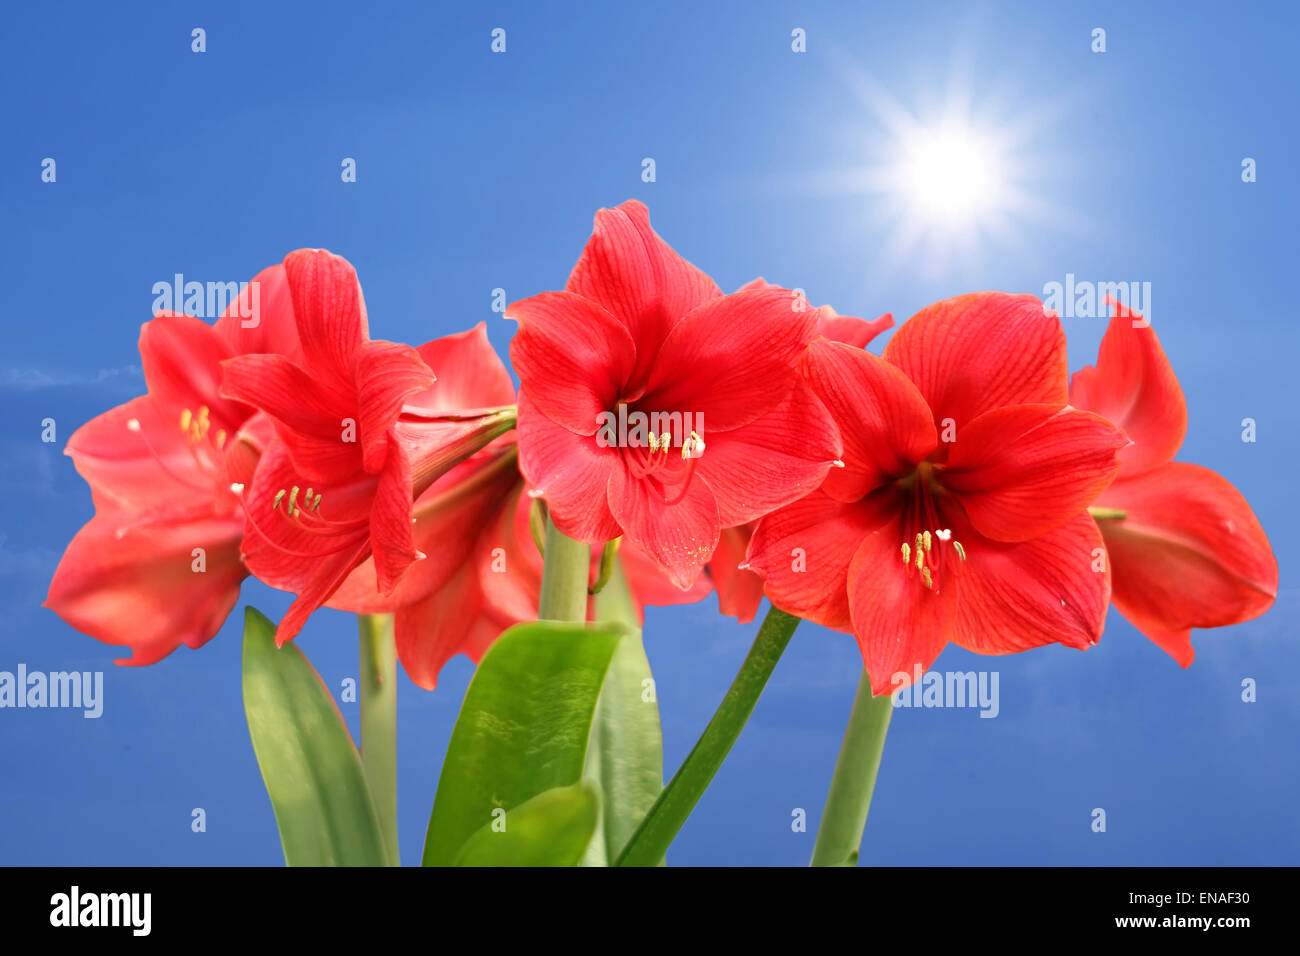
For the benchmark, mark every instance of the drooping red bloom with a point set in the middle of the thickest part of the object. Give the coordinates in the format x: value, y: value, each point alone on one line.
x: 640, y: 335
x: 483, y: 572
x: 354, y: 444
x: 740, y: 591
x: 158, y: 565
x: 1185, y: 548
x: 959, y: 515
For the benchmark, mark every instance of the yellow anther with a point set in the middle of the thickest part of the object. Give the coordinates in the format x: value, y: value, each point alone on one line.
x: 278, y: 496
x: 306, y: 499
x: 654, y: 442
x: 907, y: 554
x: 920, y: 559
x: 666, y: 441
x: 961, y: 552
x: 186, y: 418
x: 316, y: 504
x: 221, y: 438
x: 927, y: 540
x: 293, y: 500
x: 925, y: 574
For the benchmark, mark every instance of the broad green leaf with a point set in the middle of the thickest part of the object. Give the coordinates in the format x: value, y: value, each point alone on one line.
x: 309, y: 764
x: 625, y: 758
x: 522, y: 729
x: 550, y: 829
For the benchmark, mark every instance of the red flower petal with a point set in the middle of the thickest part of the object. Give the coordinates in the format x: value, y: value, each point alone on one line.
x: 469, y: 373
x: 740, y: 591
x: 262, y: 320
x: 803, y: 552
x: 181, y: 357
x: 850, y: 329
x: 386, y: 373
x: 573, y: 358
x: 1053, y: 588
x: 392, y: 541
x: 135, y: 584
x: 728, y: 359
x: 638, y: 278
x: 1190, y: 553
x: 329, y: 311
x: 292, y: 396
x: 900, y: 624
x: 885, y: 424
x: 681, y: 536
x: 773, y: 460
x: 1023, y: 470
x: 446, y: 623
x: 1134, y: 386
x: 973, y: 353
x: 571, y: 471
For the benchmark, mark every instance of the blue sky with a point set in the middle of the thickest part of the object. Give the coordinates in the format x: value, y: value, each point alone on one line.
x: 477, y: 171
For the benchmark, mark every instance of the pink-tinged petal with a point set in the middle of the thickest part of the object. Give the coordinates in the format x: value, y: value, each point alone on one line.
x: 392, y: 542
x: 329, y: 311
x: 803, y: 553
x: 181, y: 356
x: 850, y: 329
x: 136, y: 584
x: 470, y: 374
x: 638, y: 278
x: 977, y: 352
x: 1022, y: 470
x: 1052, y: 589
x: 678, y: 528
x: 729, y: 359
x: 773, y: 460
x: 900, y: 624
x: 1134, y: 386
x: 327, y: 575
x: 885, y: 425
x: 572, y: 357
x: 260, y: 319
x: 1189, y: 553
x: 448, y: 622
x: 283, y: 390
x: 135, y: 457
x: 386, y: 374
x: 571, y: 471
x: 507, y: 561
x: 740, y: 591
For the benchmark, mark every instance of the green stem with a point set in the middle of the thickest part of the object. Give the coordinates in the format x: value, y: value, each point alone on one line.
x: 565, y: 568
x: 683, y: 792
x: 379, y: 721
x: 845, y: 816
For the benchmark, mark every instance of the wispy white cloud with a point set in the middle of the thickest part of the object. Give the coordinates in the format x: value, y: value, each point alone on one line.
x: 31, y: 379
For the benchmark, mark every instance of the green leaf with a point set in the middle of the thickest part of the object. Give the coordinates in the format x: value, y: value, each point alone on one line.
x: 625, y: 758
x: 523, y: 727
x: 309, y: 764
x: 550, y: 829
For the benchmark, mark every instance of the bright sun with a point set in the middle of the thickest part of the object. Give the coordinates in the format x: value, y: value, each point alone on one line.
x: 949, y: 173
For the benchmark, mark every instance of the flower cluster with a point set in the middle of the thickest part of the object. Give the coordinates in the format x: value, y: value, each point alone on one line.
x: 957, y: 488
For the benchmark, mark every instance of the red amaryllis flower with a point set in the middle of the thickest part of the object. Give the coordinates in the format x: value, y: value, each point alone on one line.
x: 158, y: 565
x: 959, y: 515
x: 640, y: 344
x: 1185, y: 548
x: 484, y: 571
x: 354, y: 444
x: 740, y: 591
